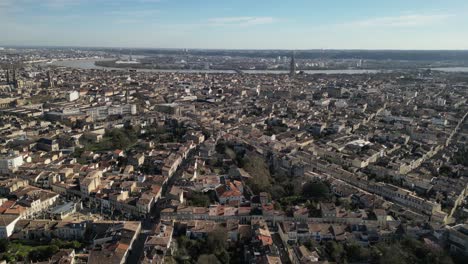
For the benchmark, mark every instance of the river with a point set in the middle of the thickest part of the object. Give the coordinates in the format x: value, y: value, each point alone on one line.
x: 89, y: 64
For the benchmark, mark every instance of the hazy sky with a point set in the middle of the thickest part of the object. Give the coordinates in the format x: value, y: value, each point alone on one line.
x: 242, y: 24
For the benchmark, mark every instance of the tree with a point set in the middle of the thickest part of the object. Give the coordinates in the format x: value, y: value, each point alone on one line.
x: 216, y: 240
x: 216, y: 243
x: 42, y: 253
x: 255, y: 165
x: 375, y: 254
x: 355, y: 253
x: 311, y: 244
x: 220, y: 147
x: 408, y: 250
x: 445, y: 170
x: 393, y: 255
x: 66, y: 244
x: 335, y: 251
x: 208, y: 259
x: 199, y: 199
x: 4, y: 243
x: 315, y: 189
x: 277, y: 192
x: 461, y: 156
x: 189, y: 249
x: 224, y: 257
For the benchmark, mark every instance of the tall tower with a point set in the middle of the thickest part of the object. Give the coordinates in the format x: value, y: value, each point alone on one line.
x: 292, y: 67
x: 126, y: 96
x: 14, y: 81
x: 8, y: 75
x: 50, y: 82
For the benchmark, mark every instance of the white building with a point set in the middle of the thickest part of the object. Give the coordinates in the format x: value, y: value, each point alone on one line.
x: 38, y: 204
x: 10, y: 162
x: 72, y: 96
x: 439, y: 121
x: 441, y: 101
x: 102, y: 112
x: 7, y: 224
x: 129, y: 109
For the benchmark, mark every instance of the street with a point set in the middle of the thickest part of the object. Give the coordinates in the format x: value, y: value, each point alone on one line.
x: 149, y: 224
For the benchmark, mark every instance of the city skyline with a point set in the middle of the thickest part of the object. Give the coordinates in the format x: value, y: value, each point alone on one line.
x: 232, y: 132
x: 415, y: 25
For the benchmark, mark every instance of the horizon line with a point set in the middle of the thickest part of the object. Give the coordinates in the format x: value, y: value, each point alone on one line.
x: 217, y: 49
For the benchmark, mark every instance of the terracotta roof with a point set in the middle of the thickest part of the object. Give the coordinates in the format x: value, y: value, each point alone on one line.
x: 266, y: 240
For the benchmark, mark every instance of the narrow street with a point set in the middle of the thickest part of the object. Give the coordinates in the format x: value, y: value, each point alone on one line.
x: 149, y: 224
x: 137, y: 249
x: 283, y: 252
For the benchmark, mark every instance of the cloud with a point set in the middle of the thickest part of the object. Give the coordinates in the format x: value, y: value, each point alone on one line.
x: 409, y: 20
x: 6, y: 5
x: 61, y: 3
x: 26, y: 4
x: 240, y: 21
x: 135, y: 16
x: 136, y: 13
x: 127, y: 21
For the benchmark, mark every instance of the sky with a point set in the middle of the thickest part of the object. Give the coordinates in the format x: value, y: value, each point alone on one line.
x: 237, y: 24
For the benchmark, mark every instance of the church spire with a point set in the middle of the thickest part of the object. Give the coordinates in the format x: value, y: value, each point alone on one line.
x: 292, y: 67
